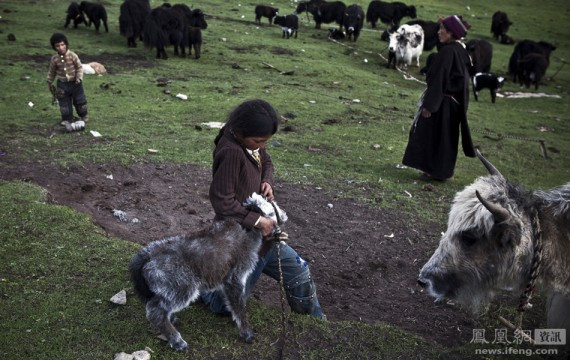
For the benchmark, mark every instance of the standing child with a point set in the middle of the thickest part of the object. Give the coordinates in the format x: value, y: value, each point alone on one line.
x: 243, y: 166
x: 66, y: 67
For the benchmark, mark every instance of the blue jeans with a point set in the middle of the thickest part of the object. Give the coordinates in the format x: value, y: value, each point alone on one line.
x: 68, y: 94
x: 299, y: 285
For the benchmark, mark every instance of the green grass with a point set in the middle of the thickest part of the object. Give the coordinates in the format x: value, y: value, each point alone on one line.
x: 64, y: 270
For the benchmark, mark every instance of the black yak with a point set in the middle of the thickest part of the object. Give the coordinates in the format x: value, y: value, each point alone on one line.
x: 265, y: 11
x: 390, y: 13
x: 96, y: 14
x: 131, y: 19
x: 481, y: 52
x: 75, y: 14
x: 500, y: 24
x: 524, y: 48
x: 165, y: 26
x: 323, y: 12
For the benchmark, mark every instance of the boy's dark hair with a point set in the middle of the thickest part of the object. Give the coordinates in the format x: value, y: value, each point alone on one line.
x: 251, y: 118
x: 57, y: 38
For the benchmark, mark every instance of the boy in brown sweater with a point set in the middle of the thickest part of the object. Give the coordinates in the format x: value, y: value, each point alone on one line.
x: 243, y: 166
x: 67, y: 68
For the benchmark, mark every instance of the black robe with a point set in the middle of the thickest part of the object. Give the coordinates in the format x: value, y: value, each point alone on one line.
x: 433, y: 142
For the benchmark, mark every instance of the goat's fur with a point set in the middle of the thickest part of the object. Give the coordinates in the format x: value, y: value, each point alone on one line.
x: 170, y: 274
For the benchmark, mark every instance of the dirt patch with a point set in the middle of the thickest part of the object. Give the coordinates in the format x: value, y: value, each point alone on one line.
x: 365, y: 260
x: 281, y: 51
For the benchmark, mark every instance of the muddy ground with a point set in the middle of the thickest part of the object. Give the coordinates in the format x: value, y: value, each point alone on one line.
x: 365, y: 260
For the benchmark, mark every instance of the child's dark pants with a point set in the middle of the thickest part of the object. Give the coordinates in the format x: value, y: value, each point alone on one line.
x: 68, y: 94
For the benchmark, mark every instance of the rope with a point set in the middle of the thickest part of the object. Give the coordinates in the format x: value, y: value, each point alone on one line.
x: 542, y: 142
x: 278, y: 237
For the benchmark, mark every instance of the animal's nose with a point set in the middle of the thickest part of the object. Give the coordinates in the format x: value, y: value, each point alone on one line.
x: 422, y: 282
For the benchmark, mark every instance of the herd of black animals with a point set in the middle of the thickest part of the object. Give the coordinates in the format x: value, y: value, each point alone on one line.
x: 180, y: 26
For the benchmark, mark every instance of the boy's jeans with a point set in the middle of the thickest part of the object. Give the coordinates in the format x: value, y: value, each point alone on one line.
x: 299, y: 285
x: 68, y: 94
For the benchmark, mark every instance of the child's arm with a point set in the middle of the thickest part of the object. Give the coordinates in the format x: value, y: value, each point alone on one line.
x: 51, y: 74
x: 78, y: 69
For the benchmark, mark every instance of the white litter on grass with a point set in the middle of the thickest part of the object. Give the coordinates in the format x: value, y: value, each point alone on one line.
x: 110, y: 177
x: 95, y: 133
x: 400, y: 166
x: 522, y: 95
x: 389, y: 236
x: 119, y: 298
x: 213, y: 124
x: 312, y: 101
x: 182, y: 96
x: 307, y: 165
x: 365, y: 61
x: 137, y: 355
x: 152, y: 151
x: 408, y: 193
x: 330, y: 206
x: 31, y: 104
x: 355, y: 100
x: 120, y: 214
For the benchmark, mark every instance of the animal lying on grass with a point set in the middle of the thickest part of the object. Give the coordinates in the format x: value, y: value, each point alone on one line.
x: 170, y: 274
x: 502, y: 237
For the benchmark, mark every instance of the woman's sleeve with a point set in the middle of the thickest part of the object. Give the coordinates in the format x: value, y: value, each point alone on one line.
x: 437, y: 78
x: 227, y: 166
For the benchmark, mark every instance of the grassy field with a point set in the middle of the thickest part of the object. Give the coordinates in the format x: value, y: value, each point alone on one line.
x: 58, y: 270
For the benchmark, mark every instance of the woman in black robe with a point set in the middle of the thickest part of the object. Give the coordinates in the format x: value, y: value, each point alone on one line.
x: 434, y: 136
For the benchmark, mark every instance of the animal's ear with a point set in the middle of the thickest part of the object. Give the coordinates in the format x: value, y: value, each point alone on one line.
x: 506, y: 234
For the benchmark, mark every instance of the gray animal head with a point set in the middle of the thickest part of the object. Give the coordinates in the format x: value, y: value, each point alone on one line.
x: 487, y: 245
x: 260, y: 204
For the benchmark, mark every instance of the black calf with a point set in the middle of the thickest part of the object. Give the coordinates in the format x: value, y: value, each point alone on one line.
x: 265, y: 11
x: 289, y: 24
x: 487, y: 81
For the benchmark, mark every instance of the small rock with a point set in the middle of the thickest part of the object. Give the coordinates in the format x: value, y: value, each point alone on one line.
x: 119, y: 298
x: 11, y: 37
x: 428, y: 187
x: 330, y: 206
x: 166, y: 91
x: 120, y: 214
x: 376, y: 147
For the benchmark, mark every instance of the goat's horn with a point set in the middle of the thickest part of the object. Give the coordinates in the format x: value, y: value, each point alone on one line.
x: 500, y: 214
x: 492, y: 170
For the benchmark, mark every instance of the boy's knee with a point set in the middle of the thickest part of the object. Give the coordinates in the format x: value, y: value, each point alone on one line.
x: 302, y: 293
x: 82, y: 109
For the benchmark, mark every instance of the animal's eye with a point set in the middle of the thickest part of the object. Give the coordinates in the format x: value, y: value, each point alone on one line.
x: 468, y: 238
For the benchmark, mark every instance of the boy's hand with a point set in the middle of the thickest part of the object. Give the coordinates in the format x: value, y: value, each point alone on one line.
x: 266, y: 226
x: 267, y: 191
x: 77, y: 81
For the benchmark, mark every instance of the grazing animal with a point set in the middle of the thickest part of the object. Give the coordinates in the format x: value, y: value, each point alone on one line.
x: 431, y: 39
x: 405, y: 44
x: 500, y: 24
x: 289, y: 24
x: 265, y: 11
x: 96, y: 14
x: 481, y: 53
x: 75, y: 14
x: 196, y: 24
x: 533, y: 67
x: 388, y: 13
x: 133, y: 14
x: 497, y: 233
x: 487, y: 81
x: 165, y: 26
x: 323, y: 11
x: 336, y: 34
x: 353, y: 21
x: 524, y: 48
x: 170, y: 274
